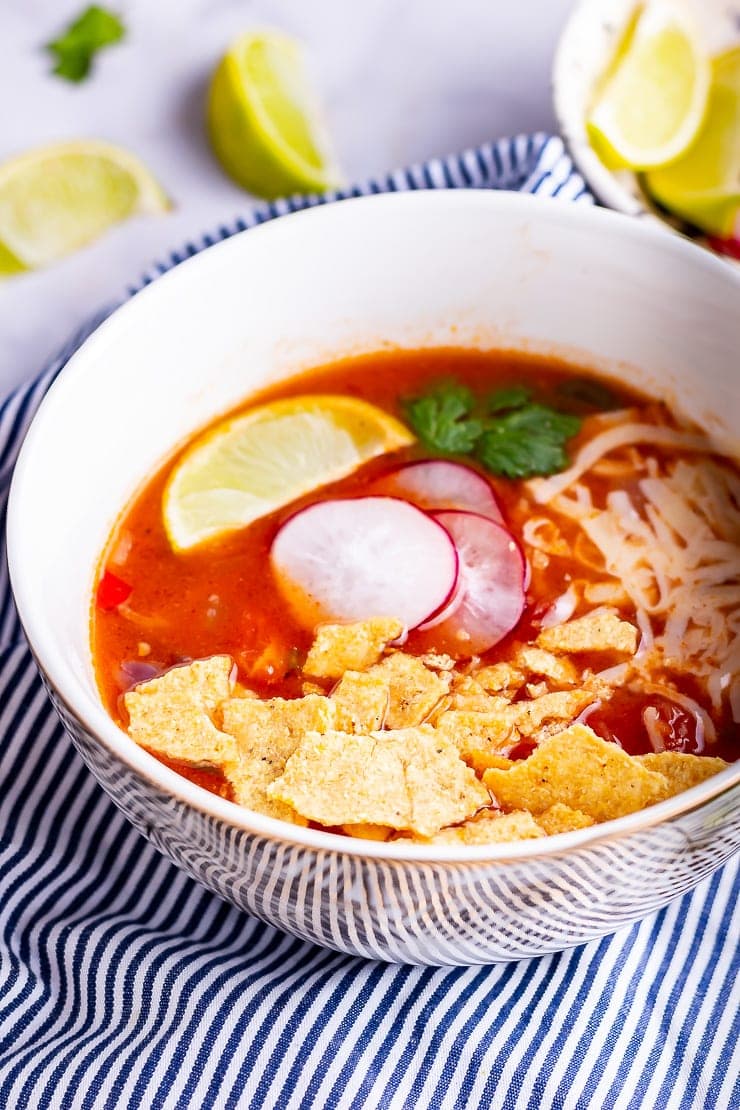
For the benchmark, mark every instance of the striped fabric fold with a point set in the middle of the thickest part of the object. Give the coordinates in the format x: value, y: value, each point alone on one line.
x: 123, y: 983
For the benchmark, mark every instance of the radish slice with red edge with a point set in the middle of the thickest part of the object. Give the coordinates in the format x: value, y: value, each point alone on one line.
x: 363, y: 557
x: 492, y: 574
x: 440, y: 484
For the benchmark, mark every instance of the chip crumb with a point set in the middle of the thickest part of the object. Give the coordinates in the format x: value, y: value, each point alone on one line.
x: 404, y: 779
x: 437, y: 662
x: 594, y: 632
x: 413, y: 690
x: 577, y: 768
x: 556, y: 707
x: 143, y: 649
x: 350, y: 647
x: 682, y: 770
x: 172, y: 714
x: 467, y: 693
x: 500, y: 678
x: 361, y: 701
x: 561, y: 818
x: 536, y: 661
x: 490, y: 828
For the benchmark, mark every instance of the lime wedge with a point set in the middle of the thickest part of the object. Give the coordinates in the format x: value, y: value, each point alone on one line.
x: 58, y: 198
x: 652, y: 100
x: 247, y: 466
x: 703, y: 186
x: 264, y: 120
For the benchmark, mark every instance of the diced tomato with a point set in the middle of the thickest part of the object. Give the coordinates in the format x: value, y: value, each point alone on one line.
x: 112, y: 591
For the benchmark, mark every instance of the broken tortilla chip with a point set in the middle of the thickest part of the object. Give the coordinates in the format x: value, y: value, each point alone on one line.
x: 266, y: 735
x: 594, y: 632
x: 579, y: 769
x: 407, y: 779
x: 681, y: 770
x: 350, y: 647
x: 561, y: 818
x: 361, y: 702
x: 490, y: 732
x: 489, y: 828
x: 172, y: 714
x: 413, y: 689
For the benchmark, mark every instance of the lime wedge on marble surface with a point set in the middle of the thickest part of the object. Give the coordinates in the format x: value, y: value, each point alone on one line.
x: 57, y: 198
x: 264, y: 120
x: 653, y: 98
x: 703, y: 186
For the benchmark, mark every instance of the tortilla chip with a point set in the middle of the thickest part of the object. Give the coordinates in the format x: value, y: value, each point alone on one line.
x: 537, y: 689
x: 361, y: 702
x: 500, y: 678
x: 266, y: 734
x: 491, y: 732
x: 682, y: 771
x: 560, y: 819
x: 481, y: 760
x: 172, y: 714
x: 579, y: 769
x: 537, y: 661
x: 490, y: 828
x: 594, y: 632
x: 467, y: 693
x: 407, y: 779
x: 560, y: 706
x: 413, y: 690
x: 350, y: 647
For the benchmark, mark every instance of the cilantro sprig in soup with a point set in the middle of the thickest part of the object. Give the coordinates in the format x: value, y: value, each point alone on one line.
x: 444, y: 595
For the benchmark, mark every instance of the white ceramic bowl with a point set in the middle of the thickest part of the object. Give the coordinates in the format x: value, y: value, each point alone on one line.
x: 459, y: 267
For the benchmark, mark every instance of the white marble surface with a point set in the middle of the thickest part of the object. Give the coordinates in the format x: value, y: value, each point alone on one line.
x: 401, y: 80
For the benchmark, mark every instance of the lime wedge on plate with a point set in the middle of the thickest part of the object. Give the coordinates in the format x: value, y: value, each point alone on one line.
x: 58, y: 198
x: 249, y: 465
x: 652, y: 100
x: 704, y: 185
x: 264, y: 119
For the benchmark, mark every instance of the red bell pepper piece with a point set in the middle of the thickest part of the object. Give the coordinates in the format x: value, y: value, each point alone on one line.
x: 112, y: 591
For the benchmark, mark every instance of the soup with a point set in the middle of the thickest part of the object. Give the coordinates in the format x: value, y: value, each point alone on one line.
x: 445, y: 595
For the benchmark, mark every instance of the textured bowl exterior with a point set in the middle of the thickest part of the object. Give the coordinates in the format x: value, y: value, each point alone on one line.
x: 415, y: 912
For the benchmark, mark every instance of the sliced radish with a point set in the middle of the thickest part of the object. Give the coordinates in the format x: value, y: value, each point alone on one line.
x: 364, y: 557
x: 492, y: 574
x: 440, y: 484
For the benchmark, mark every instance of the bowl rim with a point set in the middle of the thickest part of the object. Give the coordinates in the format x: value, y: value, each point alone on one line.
x: 101, y: 727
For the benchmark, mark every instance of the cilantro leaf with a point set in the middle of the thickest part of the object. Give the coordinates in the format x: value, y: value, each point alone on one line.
x: 526, y: 441
x: 509, y: 397
x: 74, y: 50
x: 442, y: 420
x: 588, y: 393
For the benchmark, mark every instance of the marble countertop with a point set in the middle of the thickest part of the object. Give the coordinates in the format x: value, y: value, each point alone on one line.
x: 400, y: 82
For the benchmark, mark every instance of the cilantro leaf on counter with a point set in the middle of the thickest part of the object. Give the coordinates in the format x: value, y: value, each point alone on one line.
x: 75, y: 49
x: 442, y: 420
x: 510, y: 434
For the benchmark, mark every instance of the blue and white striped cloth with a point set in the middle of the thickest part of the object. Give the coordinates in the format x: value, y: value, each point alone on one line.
x: 124, y: 984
